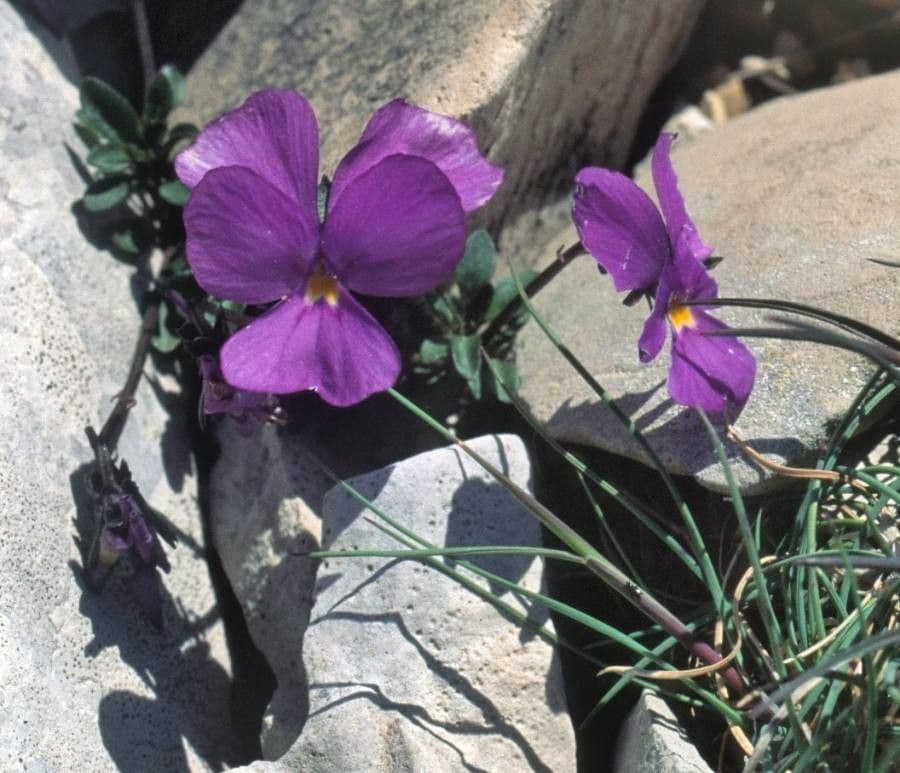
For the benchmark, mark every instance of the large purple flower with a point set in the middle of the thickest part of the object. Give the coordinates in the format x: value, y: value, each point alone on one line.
x: 663, y: 254
x: 394, y: 226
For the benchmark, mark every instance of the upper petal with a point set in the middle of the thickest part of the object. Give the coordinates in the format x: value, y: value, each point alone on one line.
x: 246, y: 240
x: 398, y: 229
x: 274, y: 133
x: 339, y: 351
x: 399, y: 127
x: 713, y: 373
x: 619, y: 225
x: 671, y: 202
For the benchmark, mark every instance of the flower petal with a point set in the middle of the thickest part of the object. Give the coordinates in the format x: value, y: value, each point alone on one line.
x: 398, y: 229
x: 653, y: 336
x: 247, y: 241
x: 339, y: 351
x: 713, y: 373
x: 274, y: 133
x: 619, y: 225
x: 399, y: 127
x: 671, y: 202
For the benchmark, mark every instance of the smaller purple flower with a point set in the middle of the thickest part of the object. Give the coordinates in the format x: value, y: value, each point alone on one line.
x: 619, y: 225
x: 394, y: 226
x: 131, y: 536
x: 247, y: 409
x: 663, y: 255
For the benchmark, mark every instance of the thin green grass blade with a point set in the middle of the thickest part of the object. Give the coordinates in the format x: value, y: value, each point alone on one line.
x: 626, y: 501
x: 698, y: 546
x: 838, y: 320
x: 766, y: 611
x: 451, y: 552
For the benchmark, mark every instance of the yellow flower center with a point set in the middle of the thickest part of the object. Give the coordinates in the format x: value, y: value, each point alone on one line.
x: 322, y: 286
x: 681, y: 316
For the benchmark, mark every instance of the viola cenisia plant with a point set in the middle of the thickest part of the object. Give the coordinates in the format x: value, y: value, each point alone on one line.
x: 663, y: 257
x: 393, y: 226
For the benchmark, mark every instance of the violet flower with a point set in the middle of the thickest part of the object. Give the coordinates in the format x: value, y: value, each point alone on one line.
x: 130, y: 535
x: 394, y: 226
x: 247, y: 409
x: 663, y: 255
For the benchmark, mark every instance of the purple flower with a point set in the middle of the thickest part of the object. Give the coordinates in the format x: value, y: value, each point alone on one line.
x: 248, y: 409
x: 394, y: 226
x: 642, y: 250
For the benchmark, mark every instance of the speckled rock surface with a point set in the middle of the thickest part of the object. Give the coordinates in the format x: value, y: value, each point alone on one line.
x: 797, y: 195
x: 266, y: 498
x: 85, y: 682
x: 651, y: 741
x: 408, y: 670
x: 543, y: 82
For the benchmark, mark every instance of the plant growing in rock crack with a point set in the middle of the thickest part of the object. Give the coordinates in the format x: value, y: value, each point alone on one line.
x: 792, y: 657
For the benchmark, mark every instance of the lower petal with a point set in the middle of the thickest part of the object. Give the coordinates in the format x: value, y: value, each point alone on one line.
x: 653, y: 336
x: 338, y: 351
x: 715, y: 373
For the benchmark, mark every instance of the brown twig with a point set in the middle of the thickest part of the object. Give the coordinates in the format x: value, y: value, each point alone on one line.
x: 563, y: 258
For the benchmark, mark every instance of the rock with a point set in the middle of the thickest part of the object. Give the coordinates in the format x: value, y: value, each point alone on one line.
x: 407, y: 669
x: 545, y: 83
x: 651, y: 741
x: 797, y: 195
x: 266, y: 497
x: 86, y: 683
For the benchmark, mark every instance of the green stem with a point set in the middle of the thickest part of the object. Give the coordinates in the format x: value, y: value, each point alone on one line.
x: 594, y: 561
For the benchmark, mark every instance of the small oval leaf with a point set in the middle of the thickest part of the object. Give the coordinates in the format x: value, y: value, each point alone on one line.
x: 466, y: 355
x: 164, y: 94
x: 105, y: 194
x: 109, y: 158
x: 476, y: 267
x: 106, y: 111
x: 175, y: 192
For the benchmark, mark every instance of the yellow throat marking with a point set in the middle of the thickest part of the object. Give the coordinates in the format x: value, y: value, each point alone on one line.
x: 322, y: 286
x: 681, y: 316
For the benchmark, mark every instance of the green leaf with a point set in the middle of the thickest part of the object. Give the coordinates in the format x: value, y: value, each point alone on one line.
x: 443, y: 307
x: 477, y: 265
x: 107, y: 112
x: 504, y: 292
x: 508, y: 374
x: 175, y: 192
x: 474, y: 385
x: 431, y: 352
x: 164, y: 94
x: 104, y: 194
x: 109, y: 158
x: 125, y: 241
x: 89, y: 136
x: 466, y: 355
x: 164, y: 341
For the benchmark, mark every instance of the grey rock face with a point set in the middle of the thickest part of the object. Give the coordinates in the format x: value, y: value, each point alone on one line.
x: 85, y: 682
x: 797, y: 195
x: 651, y: 741
x: 542, y: 82
x: 408, y: 670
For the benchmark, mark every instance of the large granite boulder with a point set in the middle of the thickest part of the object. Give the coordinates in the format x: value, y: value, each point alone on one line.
x: 798, y: 195
x: 86, y: 682
x: 544, y: 83
x: 407, y: 669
